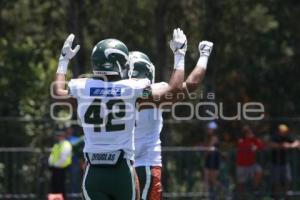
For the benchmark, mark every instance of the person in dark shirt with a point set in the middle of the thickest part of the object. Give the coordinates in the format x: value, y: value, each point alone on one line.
x: 281, y: 141
x: 212, y: 162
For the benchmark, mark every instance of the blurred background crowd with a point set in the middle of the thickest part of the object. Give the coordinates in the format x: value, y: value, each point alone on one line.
x: 247, y: 166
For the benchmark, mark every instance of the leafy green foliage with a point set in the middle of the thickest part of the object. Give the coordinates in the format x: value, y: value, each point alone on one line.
x: 255, y: 56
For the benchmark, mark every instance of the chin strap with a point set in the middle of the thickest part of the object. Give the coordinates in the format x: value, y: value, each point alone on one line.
x: 120, y: 69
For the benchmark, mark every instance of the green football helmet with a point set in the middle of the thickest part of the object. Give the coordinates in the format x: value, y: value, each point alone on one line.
x: 109, y: 57
x: 140, y: 66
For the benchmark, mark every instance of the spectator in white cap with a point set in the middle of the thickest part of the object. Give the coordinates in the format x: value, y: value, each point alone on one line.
x: 212, y: 161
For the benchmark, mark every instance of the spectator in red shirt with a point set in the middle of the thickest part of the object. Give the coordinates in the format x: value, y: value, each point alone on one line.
x: 247, y: 168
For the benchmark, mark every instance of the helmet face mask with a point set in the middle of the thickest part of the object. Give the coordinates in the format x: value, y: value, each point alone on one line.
x: 109, y: 57
x: 140, y: 66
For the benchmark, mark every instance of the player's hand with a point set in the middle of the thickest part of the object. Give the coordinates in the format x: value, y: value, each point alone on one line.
x: 205, y: 48
x: 67, y: 51
x: 179, y: 42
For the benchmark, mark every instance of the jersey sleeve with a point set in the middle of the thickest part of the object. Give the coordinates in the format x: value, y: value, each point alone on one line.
x: 75, y: 87
x: 159, y: 85
x: 142, y: 88
x: 72, y: 88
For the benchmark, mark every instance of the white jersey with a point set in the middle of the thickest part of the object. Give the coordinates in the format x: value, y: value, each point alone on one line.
x: 107, y: 113
x: 147, y: 136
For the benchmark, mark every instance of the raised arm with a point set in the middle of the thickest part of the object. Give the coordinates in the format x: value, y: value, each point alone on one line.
x: 179, y: 46
x: 196, y: 76
x: 67, y: 53
x: 193, y: 81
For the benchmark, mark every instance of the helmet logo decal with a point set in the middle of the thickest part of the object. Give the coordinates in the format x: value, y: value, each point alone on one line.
x: 109, y: 51
x: 94, y: 49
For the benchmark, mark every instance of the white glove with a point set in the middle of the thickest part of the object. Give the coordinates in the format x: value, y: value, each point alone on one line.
x: 179, y: 42
x: 205, y: 48
x: 179, y: 46
x: 67, y: 53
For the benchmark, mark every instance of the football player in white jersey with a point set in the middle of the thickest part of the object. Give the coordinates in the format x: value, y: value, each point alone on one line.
x: 106, y: 110
x: 148, y: 161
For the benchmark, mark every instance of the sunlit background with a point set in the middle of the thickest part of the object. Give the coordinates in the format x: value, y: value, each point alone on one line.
x: 256, y: 58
